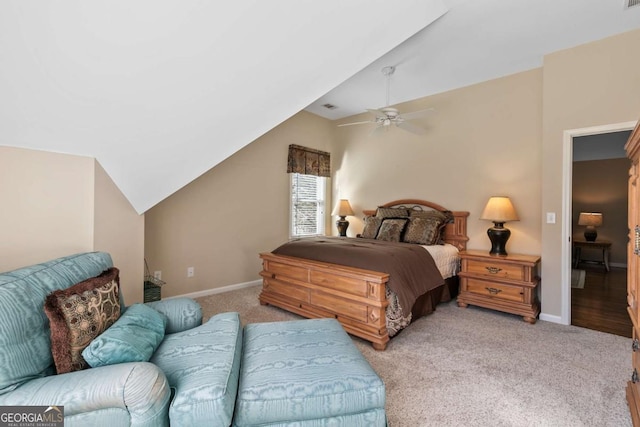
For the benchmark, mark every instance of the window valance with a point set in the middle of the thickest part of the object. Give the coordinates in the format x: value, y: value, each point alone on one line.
x: 308, y: 161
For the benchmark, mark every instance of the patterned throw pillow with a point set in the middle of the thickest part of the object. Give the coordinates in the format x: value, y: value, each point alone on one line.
x: 80, y: 313
x: 391, y: 229
x: 423, y: 231
x: 392, y: 212
x: 371, y: 226
x: 442, y: 218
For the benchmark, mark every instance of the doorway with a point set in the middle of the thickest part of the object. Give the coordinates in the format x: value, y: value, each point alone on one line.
x: 566, y: 212
x: 599, y: 197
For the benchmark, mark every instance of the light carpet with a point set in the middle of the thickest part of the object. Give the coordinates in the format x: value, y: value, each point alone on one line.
x: 478, y: 367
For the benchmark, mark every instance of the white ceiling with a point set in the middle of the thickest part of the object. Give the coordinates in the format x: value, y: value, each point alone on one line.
x: 475, y: 41
x: 160, y: 91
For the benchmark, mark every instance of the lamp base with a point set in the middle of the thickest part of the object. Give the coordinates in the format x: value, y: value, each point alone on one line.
x: 498, y: 236
x: 590, y: 233
x: 342, y: 225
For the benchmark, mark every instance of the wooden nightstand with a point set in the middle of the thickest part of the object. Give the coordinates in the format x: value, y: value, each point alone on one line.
x: 506, y: 283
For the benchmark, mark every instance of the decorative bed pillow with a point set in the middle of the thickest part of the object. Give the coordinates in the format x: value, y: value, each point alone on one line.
x: 443, y: 218
x: 423, y: 231
x: 371, y: 226
x: 80, y: 313
x: 391, y: 229
x: 429, y: 214
x: 134, y: 337
x: 382, y: 212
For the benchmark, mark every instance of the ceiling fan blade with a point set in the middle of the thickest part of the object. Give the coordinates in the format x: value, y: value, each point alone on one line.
x: 417, y: 114
x: 411, y: 128
x: 355, y: 123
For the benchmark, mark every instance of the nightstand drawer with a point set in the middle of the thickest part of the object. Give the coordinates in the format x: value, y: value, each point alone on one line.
x: 495, y: 269
x: 495, y: 290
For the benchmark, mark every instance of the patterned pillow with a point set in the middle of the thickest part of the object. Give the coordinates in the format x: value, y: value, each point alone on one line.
x: 80, y: 313
x: 429, y: 214
x: 423, y: 231
x: 371, y: 226
x: 443, y: 219
x: 392, y: 212
x: 391, y: 229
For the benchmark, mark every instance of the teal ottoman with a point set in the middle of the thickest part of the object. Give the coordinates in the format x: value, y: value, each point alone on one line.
x: 306, y: 373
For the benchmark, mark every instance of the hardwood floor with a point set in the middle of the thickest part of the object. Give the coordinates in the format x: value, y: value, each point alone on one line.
x: 602, y: 304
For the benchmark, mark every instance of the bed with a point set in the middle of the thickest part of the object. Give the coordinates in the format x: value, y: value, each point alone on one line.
x: 366, y: 300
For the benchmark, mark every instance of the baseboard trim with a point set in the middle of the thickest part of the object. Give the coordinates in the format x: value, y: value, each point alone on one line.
x: 551, y: 318
x: 213, y: 291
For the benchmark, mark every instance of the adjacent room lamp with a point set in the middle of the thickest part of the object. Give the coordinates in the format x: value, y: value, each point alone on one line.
x: 343, y: 208
x: 591, y: 220
x: 499, y: 210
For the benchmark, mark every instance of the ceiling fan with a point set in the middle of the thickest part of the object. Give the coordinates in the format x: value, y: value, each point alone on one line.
x: 388, y: 116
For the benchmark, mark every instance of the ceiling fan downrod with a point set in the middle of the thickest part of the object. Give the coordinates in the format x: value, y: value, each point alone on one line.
x: 388, y: 72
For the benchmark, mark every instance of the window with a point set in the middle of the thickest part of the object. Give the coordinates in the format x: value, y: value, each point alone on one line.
x: 307, y: 205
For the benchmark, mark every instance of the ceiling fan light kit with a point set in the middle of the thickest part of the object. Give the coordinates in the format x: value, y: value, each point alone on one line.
x: 387, y: 116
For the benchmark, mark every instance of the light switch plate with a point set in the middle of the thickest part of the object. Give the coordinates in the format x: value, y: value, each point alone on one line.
x: 551, y: 217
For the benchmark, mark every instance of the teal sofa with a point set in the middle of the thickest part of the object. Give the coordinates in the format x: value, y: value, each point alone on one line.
x: 297, y: 373
x: 191, y: 379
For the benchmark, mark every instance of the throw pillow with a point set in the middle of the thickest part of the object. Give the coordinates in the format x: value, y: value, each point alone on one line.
x: 134, y: 337
x: 382, y: 212
x: 80, y: 313
x: 371, y: 226
x: 423, y: 231
x: 391, y: 229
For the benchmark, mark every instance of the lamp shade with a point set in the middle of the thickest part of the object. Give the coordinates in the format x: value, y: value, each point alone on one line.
x: 499, y: 209
x: 593, y: 219
x: 343, y: 208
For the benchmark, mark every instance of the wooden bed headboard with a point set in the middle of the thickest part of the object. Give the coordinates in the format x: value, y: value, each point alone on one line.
x: 455, y: 233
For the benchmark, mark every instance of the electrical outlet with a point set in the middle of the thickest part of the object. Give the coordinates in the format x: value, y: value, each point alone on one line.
x: 190, y: 272
x: 157, y: 275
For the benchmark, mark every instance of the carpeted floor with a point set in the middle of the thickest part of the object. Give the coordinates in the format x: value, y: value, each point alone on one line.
x: 478, y: 367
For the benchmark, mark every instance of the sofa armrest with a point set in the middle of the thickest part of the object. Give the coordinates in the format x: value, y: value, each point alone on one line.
x: 181, y: 313
x: 135, y: 394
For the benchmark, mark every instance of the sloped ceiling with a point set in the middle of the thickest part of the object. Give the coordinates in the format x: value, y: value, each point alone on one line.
x: 161, y: 91
x: 477, y: 41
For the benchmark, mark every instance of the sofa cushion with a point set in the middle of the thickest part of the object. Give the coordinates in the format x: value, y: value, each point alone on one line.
x: 24, y: 337
x: 79, y: 314
x: 203, y: 366
x: 305, y: 370
x: 132, y: 338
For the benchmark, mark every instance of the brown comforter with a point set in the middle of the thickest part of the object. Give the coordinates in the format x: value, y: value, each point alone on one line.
x: 412, y: 271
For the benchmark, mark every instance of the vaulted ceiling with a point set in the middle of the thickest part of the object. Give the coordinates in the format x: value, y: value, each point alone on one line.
x: 161, y: 91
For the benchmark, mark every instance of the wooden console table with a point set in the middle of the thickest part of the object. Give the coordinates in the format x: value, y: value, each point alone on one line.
x: 604, y: 245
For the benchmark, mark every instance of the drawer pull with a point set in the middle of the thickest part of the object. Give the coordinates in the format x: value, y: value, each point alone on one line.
x: 493, y: 270
x: 635, y: 345
x: 634, y: 376
x: 493, y: 291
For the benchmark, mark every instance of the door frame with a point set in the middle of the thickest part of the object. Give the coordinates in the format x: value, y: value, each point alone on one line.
x: 567, y: 197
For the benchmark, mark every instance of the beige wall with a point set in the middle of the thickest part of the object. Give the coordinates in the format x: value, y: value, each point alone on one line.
x: 220, y: 222
x: 119, y: 230
x: 46, y: 201
x: 58, y: 204
x: 590, y: 85
x: 601, y: 186
x: 483, y: 140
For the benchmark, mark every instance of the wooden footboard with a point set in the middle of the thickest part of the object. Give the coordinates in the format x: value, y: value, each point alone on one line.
x: 355, y: 297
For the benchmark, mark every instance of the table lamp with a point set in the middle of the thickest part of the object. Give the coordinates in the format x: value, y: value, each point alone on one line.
x: 499, y: 210
x: 343, y: 208
x: 591, y: 220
